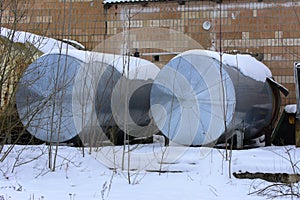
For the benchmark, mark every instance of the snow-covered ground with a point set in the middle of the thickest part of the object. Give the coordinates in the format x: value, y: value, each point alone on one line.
x: 188, y: 173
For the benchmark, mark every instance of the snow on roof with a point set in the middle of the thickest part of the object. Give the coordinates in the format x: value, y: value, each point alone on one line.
x: 74, y: 42
x: 44, y: 44
x: 292, y: 108
x: 248, y: 65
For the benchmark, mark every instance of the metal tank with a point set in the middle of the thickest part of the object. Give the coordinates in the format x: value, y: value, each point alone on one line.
x: 44, y: 97
x: 59, y: 95
x: 125, y: 99
x: 202, y: 97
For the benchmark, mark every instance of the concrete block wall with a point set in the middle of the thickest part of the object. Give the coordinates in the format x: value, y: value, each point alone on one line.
x: 81, y: 20
x: 270, y: 29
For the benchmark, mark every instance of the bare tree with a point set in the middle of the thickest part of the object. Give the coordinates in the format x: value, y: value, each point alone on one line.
x: 15, y: 57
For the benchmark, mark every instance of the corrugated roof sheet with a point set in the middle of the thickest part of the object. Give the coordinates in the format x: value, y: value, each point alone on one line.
x: 127, y: 1
x: 132, y: 1
x: 123, y: 1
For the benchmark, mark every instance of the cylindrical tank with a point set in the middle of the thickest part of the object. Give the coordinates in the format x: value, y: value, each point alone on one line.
x: 202, y: 97
x: 125, y: 99
x: 59, y: 95
x: 44, y: 97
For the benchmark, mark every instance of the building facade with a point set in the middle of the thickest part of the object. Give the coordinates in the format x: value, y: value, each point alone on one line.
x: 157, y: 30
